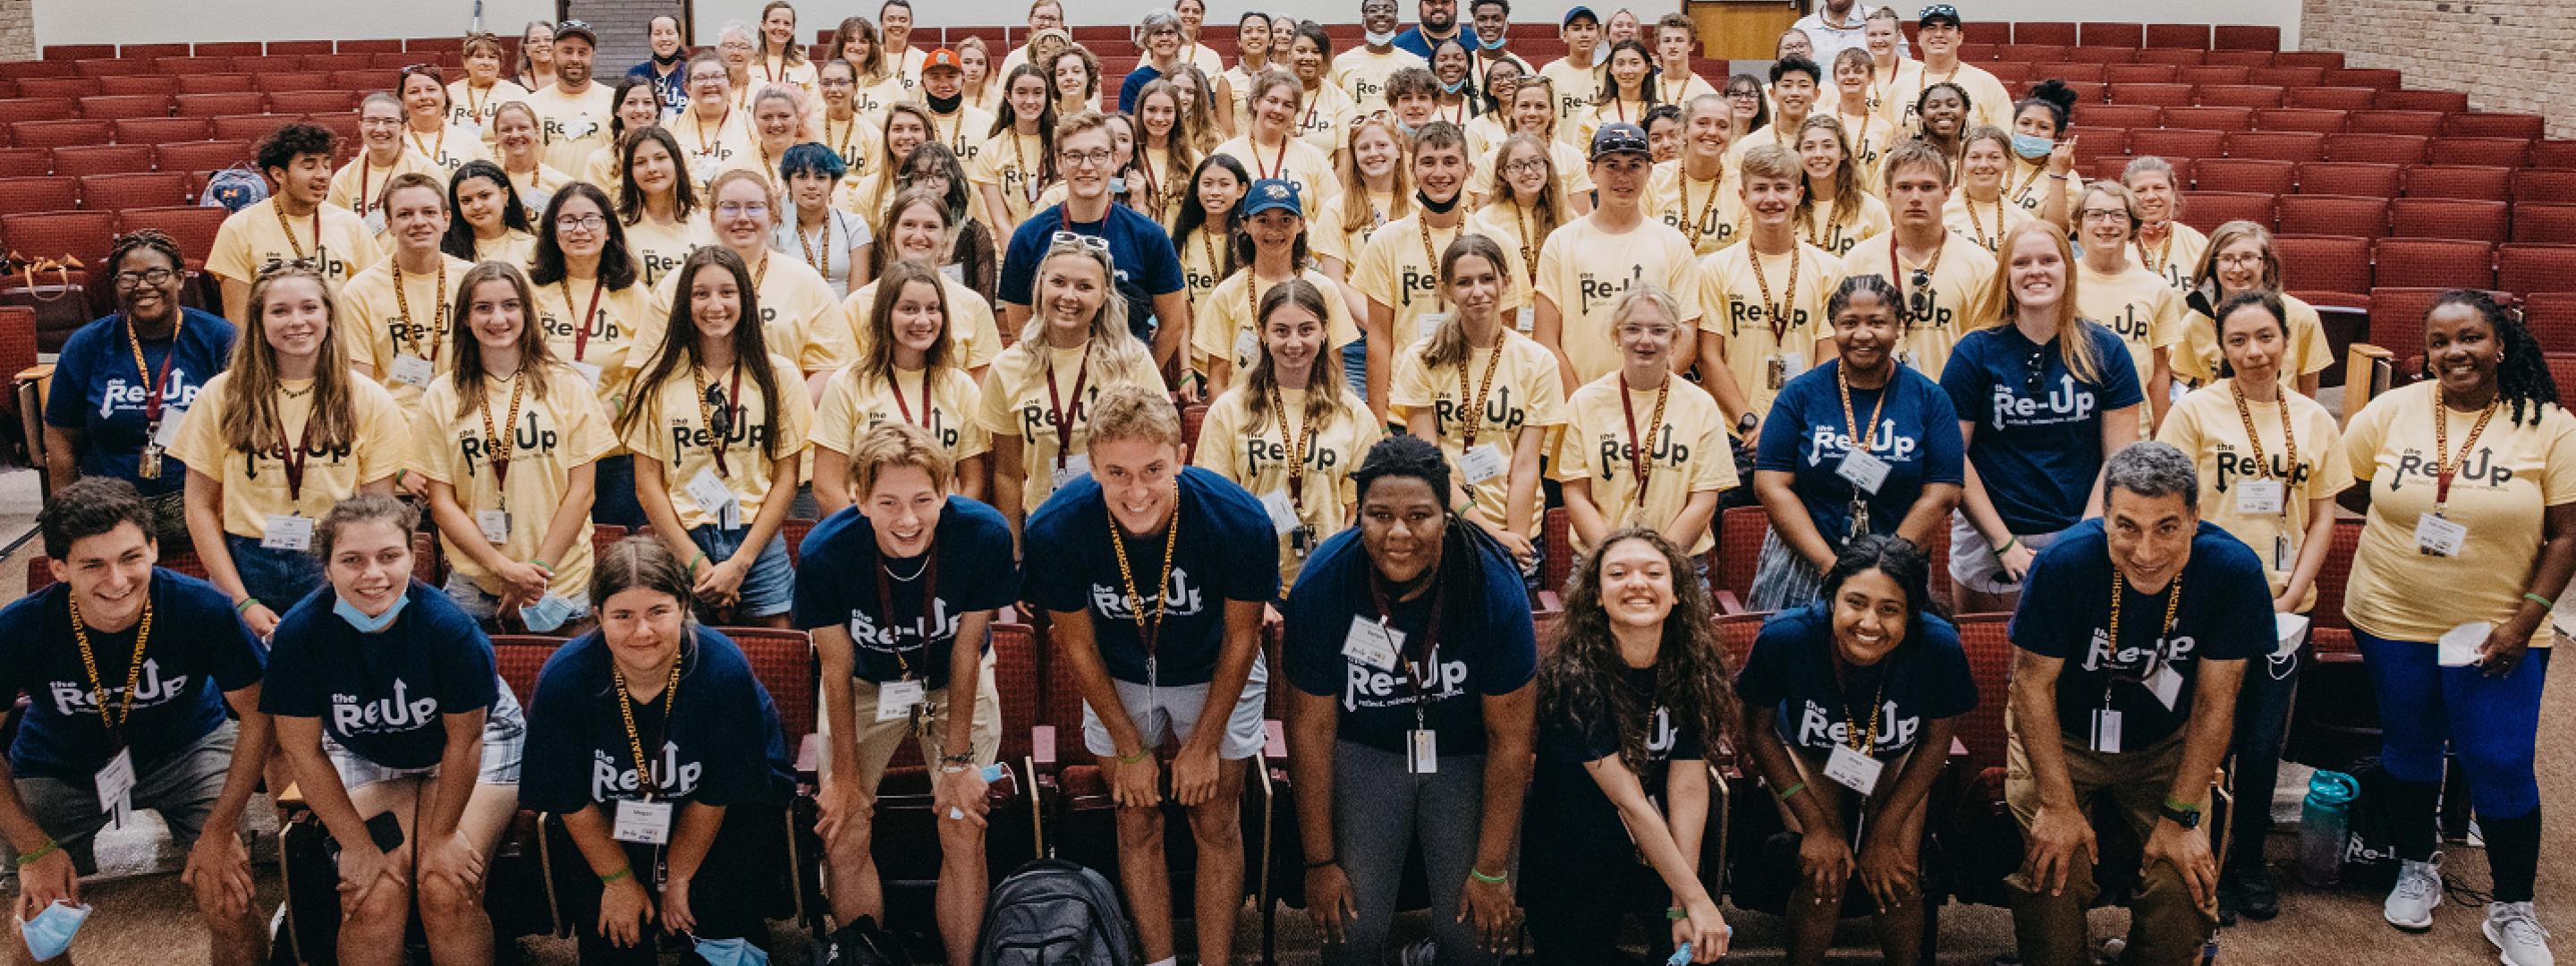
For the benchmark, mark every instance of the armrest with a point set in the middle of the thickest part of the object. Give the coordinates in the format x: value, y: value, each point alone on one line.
x: 1727, y: 603
x: 2366, y: 372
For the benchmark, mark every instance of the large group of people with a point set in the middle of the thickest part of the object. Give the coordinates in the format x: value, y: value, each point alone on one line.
x: 954, y: 305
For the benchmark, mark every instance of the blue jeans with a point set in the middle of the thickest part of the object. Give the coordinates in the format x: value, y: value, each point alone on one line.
x: 613, y: 502
x: 279, y: 578
x: 1355, y: 367
x: 769, y: 587
x: 2493, y: 723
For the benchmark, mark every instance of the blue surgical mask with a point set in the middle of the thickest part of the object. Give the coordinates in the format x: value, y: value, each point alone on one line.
x: 50, y: 933
x: 731, y: 952
x: 2032, y: 146
x: 1381, y: 40
x: 1493, y: 44
x: 365, y: 624
x: 1453, y: 88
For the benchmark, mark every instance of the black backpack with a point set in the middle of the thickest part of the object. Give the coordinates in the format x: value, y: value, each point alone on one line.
x: 1054, y: 913
x: 2370, y: 860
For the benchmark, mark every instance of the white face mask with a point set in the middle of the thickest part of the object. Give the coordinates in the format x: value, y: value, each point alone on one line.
x: 1380, y: 40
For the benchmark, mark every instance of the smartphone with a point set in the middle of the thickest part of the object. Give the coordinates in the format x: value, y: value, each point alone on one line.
x: 386, y: 831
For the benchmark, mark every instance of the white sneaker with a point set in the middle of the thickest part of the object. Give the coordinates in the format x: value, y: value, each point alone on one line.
x: 2517, y: 935
x: 2418, y: 892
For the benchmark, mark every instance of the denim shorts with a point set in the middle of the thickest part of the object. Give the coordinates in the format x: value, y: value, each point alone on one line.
x: 279, y: 578
x: 769, y: 587
x: 505, y: 739
x: 613, y: 501
x: 485, y: 607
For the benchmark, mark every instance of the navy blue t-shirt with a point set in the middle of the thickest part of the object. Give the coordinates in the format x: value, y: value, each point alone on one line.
x: 1485, y: 647
x: 1412, y: 39
x: 1220, y: 524
x: 723, y: 747
x: 1917, y: 435
x: 1791, y: 671
x: 1135, y: 84
x: 839, y: 588
x: 97, y: 390
x: 381, y: 695
x: 1569, y: 820
x: 1139, y: 251
x: 671, y: 89
x: 2225, y: 615
x: 2038, y: 443
x: 195, y: 636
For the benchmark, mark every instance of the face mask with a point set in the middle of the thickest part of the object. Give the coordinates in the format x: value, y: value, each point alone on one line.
x: 731, y: 952
x: 1117, y: 186
x: 2032, y: 146
x: 1494, y: 44
x: 1438, y: 207
x: 548, y: 613
x: 1454, y: 88
x: 365, y: 624
x: 50, y: 933
x: 1380, y: 40
x: 944, y: 105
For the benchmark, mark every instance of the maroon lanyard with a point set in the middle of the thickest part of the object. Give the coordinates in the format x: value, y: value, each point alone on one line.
x: 901, y: 406
x: 295, y: 456
x: 1413, y: 670
x: 1057, y: 416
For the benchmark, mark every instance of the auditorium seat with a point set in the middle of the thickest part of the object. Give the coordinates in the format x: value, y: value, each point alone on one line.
x: 344, y: 61
x: 2480, y: 152
x: 2377, y: 148
x: 2553, y: 154
x: 153, y: 51
x: 2069, y: 70
x: 2326, y: 263
x: 2095, y: 143
x: 2458, y: 181
x: 2244, y: 174
x: 2130, y: 35
x: 218, y: 84
x: 17, y: 109
x: 2524, y: 269
x: 2551, y: 317
x: 2380, y: 78
x: 363, y: 82
x: 148, y: 189
x: 2486, y: 221
x: 2206, y: 210
x: 110, y: 66
x: 257, y: 66
x: 2057, y: 33
x: 2313, y: 119
x: 2178, y: 143
x: 2244, y: 37
x: 298, y: 47
x: 2432, y: 263
x: 2286, y: 76
x: 2210, y: 118
x: 2544, y: 224
x: 2397, y: 316
x: 2189, y: 36
x: 187, y: 66
x: 229, y: 48
x: 110, y: 107
x: 2276, y: 145
x: 192, y: 226
x: 250, y: 127
x: 294, y: 81
x: 25, y: 162
x: 2093, y: 117
x: 196, y: 156
x: 83, y: 235
x: 2160, y: 95
x: 131, y: 84
x: 2239, y: 58
x: 2544, y: 187
x: 2240, y: 95
x: 222, y: 105
x: 2329, y: 98
x: 88, y: 159
x: 2492, y: 124
x: 2138, y: 74
x: 48, y: 193
x: 72, y: 87
x: 2343, y: 215
x: 2177, y: 56
x: 55, y: 134
x: 312, y: 102
x: 2353, y: 178
x: 162, y: 130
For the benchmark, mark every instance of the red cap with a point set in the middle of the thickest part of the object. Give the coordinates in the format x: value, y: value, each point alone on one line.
x: 943, y: 57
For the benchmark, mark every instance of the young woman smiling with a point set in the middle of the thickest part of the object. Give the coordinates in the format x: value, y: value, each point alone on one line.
x: 426, y: 125
x: 1328, y: 108
x: 943, y: 236
x: 1291, y: 400
x: 796, y: 304
x: 1037, y: 400
x: 1203, y: 231
x: 589, y: 301
x: 906, y: 127
x: 1630, y: 93
x: 1530, y: 203
x: 1942, y: 118
x: 658, y: 204
x: 975, y: 65
x: 635, y: 108
x: 2166, y: 246
x: 918, y: 227
x: 911, y: 337
x: 1979, y: 209
x: 1271, y: 249
x: 536, y: 57
x: 857, y: 45
x: 840, y: 127
x: 2042, y: 179
x: 1839, y: 210
x: 2237, y: 260
x: 1375, y: 189
x: 1444, y: 393
x: 781, y: 59
x: 1018, y: 161
x: 360, y: 184
x: 1252, y: 59
x: 835, y: 243
x: 519, y: 151
x: 777, y: 123
x: 1398, y: 271
x: 2113, y: 290
x: 1167, y: 150
x: 1270, y: 146
x: 1532, y: 114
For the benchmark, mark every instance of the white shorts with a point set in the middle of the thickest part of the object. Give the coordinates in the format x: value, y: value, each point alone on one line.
x: 1972, y: 559
x: 1173, y: 711
x: 505, y: 739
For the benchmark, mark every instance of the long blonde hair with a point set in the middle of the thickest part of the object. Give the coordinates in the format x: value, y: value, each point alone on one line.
x: 1358, y: 214
x: 1117, y: 350
x: 2005, y: 311
x: 1327, y: 395
x: 251, y: 421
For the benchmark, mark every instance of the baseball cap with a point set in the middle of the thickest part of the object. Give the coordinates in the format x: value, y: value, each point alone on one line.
x: 1940, y: 12
x: 1579, y: 12
x: 1620, y: 138
x: 943, y: 57
x: 1269, y: 193
x: 571, y: 27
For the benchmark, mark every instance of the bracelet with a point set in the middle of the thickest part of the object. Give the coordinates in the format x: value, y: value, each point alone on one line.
x: 964, y: 759
x: 1140, y: 756
x: 693, y: 562
x: 2544, y: 602
x: 1676, y: 913
x: 1490, y: 879
x: 614, y: 876
x: 1792, y: 790
x: 1327, y: 861
x: 2057, y: 177
x: 243, y: 608
x: 2181, y: 806
x: 50, y: 847
x: 2010, y: 541
x: 547, y: 568
x: 955, y: 769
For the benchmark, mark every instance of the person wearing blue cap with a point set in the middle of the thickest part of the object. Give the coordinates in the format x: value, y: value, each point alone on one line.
x: 1272, y: 248
x: 1577, y: 78
x: 1588, y: 265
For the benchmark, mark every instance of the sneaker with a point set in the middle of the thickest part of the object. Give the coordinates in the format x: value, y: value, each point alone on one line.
x: 2254, y: 893
x: 2419, y: 889
x: 2517, y: 935
x: 1420, y: 952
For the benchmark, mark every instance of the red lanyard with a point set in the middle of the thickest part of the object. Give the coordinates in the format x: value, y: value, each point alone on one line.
x: 929, y: 599
x: 581, y: 326
x: 152, y: 392
x: 1057, y: 415
x: 295, y: 456
x: 1637, y: 457
x: 894, y: 382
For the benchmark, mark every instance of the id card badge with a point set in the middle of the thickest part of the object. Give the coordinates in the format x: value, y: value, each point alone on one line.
x: 2165, y: 684
x: 411, y: 370
x: 2285, y: 551
x: 2259, y: 496
x: 710, y: 492
x: 287, y: 532
x: 1431, y: 323
x: 1247, y: 346
x: 2440, y: 537
x: 896, y: 699
x: 956, y: 273
x: 1372, y: 644
x: 2106, y: 731
x: 1864, y: 471
x: 1283, y: 514
x: 1853, y: 770
x: 1907, y: 358
x: 1422, y: 752
x: 167, y: 434
x: 1525, y: 319
x: 1484, y: 462
x: 1076, y: 467
x: 730, y: 518
x: 116, y: 787
x: 495, y: 525
x: 703, y: 166
x: 375, y: 222
x: 643, y: 823
x: 589, y: 374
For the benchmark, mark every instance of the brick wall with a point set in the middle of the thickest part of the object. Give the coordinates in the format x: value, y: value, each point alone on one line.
x: 2517, y: 57
x: 17, y: 29
x: 624, y: 28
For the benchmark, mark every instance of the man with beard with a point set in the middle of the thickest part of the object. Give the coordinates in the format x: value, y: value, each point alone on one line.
x: 1439, y: 23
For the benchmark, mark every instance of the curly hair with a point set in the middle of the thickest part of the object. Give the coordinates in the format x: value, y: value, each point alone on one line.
x: 282, y: 146
x: 1583, y: 677
x: 2522, y: 372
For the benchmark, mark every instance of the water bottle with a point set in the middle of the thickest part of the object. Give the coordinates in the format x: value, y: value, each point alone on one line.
x: 2325, y: 826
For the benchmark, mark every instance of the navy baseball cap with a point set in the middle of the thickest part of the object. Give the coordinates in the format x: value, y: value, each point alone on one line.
x: 1270, y: 193
x: 1941, y: 13
x: 1579, y: 12
x: 1620, y: 137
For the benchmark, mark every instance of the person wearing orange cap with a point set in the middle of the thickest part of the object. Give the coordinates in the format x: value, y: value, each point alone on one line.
x: 961, y: 126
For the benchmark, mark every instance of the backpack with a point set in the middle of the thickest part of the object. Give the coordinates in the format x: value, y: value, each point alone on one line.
x: 234, y: 188
x: 861, y: 943
x: 2369, y: 857
x: 1054, y: 913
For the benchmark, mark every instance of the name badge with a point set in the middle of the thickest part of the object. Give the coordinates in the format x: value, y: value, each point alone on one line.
x: 1482, y: 463
x: 1779, y: 369
x: 2166, y: 685
x: 1853, y: 770
x: 1076, y: 467
x: 375, y: 221
x: 167, y: 434
x: 1865, y: 472
x: 412, y: 370
x: 589, y: 374
x: 2106, y: 731
x: 896, y: 699
x: 1526, y: 318
x: 2260, y: 496
x: 1422, y: 752
x: 1283, y: 513
x: 643, y: 823
x: 955, y: 273
x: 116, y: 787
x: 1431, y: 322
x: 1906, y: 357
x: 287, y: 532
x: 1372, y: 644
x: 495, y: 525
x: 1246, y: 345
x: 2285, y: 551
x: 2440, y: 537
x: 710, y: 493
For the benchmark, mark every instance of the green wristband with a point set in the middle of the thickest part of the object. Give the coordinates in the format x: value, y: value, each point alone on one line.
x: 1676, y: 913
x: 1140, y: 756
x: 2544, y: 602
x: 1792, y: 790
x: 50, y: 847
x: 693, y: 562
x: 2181, y: 806
x: 244, y: 607
x: 614, y: 876
x: 1490, y: 879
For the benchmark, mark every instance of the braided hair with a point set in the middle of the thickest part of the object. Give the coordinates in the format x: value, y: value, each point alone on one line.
x: 2522, y: 372
x: 1465, y: 548
x: 145, y: 239
x: 1873, y: 285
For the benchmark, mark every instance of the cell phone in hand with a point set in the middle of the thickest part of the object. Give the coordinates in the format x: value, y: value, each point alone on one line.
x: 386, y: 831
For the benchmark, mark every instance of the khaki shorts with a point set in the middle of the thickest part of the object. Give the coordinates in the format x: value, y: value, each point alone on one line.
x: 878, y: 739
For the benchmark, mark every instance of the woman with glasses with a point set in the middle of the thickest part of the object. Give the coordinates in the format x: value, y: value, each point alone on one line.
x: 658, y: 205
x: 2119, y: 293
x: 360, y: 184
x: 633, y: 107
x: 1491, y: 121
x: 1018, y: 161
x: 797, y: 307
x: 426, y: 125
x: 1628, y: 94
x: 471, y: 99
x: 839, y: 126
x: 717, y: 126
x: 1374, y: 190
x: 589, y: 299
x: 1160, y: 39
x: 1748, y: 109
x: 1979, y: 209
x: 517, y: 148
x: 1291, y: 400
x: 397, y: 312
x: 1533, y: 113
x: 2166, y: 246
x: 835, y: 243
x: 1672, y: 457
x: 1270, y: 147
x: 536, y: 57
x: 2043, y: 396
x: 960, y: 247
x: 1038, y: 397
x: 913, y: 367
x: 1488, y: 395
x: 2238, y: 260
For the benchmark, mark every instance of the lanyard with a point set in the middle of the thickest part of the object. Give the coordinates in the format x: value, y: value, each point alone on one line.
x: 1058, y: 416
x: 1896, y: 267
x: 1415, y: 679
x: 152, y: 389
x: 496, y: 445
x: 1864, y: 438
x: 2173, y: 603
x: 2155, y: 263
x: 295, y: 455
x: 1877, y: 703
x: 133, y: 669
x: 288, y: 230
x: 1474, y: 418
x: 1431, y: 256
x: 1777, y: 318
x: 2289, y: 440
x: 1020, y: 160
x: 1637, y: 457
x: 437, y: 320
x: 701, y: 122
x: 1520, y: 215
x: 825, y: 265
x: 1299, y: 443
x: 2445, y: 463
x: 580, y: 326
x: 1148, y: 635
x: 1977, y: 225
x: 435, y: 150
x: 929, y: 577
x: 1699, y: 224
x: 366, y: 170
x: 719, y: 424
x: 634, y: 741
x: 1253, y: 148
x: 894, y: 382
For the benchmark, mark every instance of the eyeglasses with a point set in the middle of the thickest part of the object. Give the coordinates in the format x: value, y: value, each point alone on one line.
x: 2241, y: 261
x: 1091, y: 242
x: 155, y: 277
x: 580, y: 222
x: 1526, y: 166
x: 837, y: 82
x: 1634, y: 329
x: 2106, y: 214
x: 1744, y: 93
x: 366, y: 122
x: 1101, y: 156
x: 733, y: 209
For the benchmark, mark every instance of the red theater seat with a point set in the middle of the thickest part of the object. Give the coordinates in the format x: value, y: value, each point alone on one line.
x: 2432, y: 263
x: 2312, y: 119
x: 2332, y: 98
x: 55, y: 134
x: 2352, y: 178
x: 2192, y: 36
x: 2323, y: 263
x: 2178, y: 143
x: 89, y: 159
x: 161, y: 130
x: 2376, y: 148
x: 2206, y: 210
x: 2524, y: 269
x: 2244, y: 174
x: 2313, y: 214
x: 2485, y: 221
x: 192, y: 226
x: 222, y: 105
x: 2498, y: 152
x: 118, y: 192
x: 199, y: 156
x: 2208, y: 118
x: 2160, y: 95
x: 218, y: 84
x: 2489, y: 124
x: 2465, y: 183
x: 2240, y: 95
x: 2298, y: 146
x: 39, y: 194
x: 2533, y: 186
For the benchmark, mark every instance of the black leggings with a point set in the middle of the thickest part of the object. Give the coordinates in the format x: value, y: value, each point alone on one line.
x: 725, y: 895
x: 1575, y: 915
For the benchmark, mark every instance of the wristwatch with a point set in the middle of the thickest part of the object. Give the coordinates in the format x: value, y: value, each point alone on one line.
x: 1746, y: 422
x: 2188, y: 818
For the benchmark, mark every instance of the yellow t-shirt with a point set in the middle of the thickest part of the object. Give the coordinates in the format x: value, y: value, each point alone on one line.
x: 1573, y: 175
x: 1584, y: 270
x: 1202, y: 266
x: 514, y: 246
x: 905, y: 64
x: 2197, y: 358
x: 360, y: 186
x: 537, y: 186
x: 870, y: 100
x: 1362, y: 74
x: 255, y: 485
x: 770, y: 69
x: 1227, y: 329
x: 379, y: 330
x: 552, y: 436
x: 1526, y: 394
x: 2401, y: 594
x: 1325, y: 237
x: 707, y: 149
x: 1014, y: 403
x: 1838, y: 238
x: 659, y: 248
x: 1988, y: 102
x: 1868, y: 135
x: 852, y: 405
x: 2207, y: 426
x: 865, y: 197
x: 1513, y: 225
x: 572, y: 126
x: 2027, y: 186
x: 974, y: 339
x: 673, y: 430
x: 450, y: 148
x: 1617, y: 111
x: 2136, y: 306
x: 1576, y: 86
x: 2178, y: 258
x: 1012, y: 161
x: 1397, y: 271
x: 1892, y: 93
x: 473, y: 111
x: 607, y: 339
x: 254, y: 236
x: 799, y: 314
x: 1254, y: 453
x: 1717, y: 210
x: 1325, y: 120
x: 1959, y: 283
x: 1303, y: 163
x: 602, y: 170
x: 963, y: 132
x: 1687, y: 452
x: 858, y: 143
x: 1801, y: 282
x: 1680, y: 92
x: 1981, y: 222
